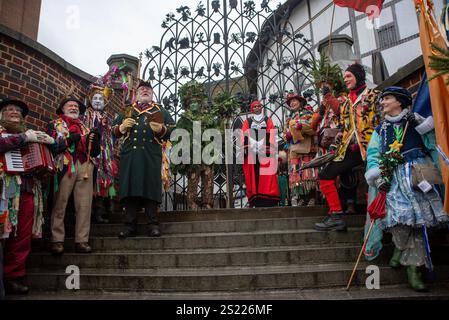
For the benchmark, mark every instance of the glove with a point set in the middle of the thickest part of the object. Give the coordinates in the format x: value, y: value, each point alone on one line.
x: 325, y: 90
x: 411, y: 119
x: 44, y: 138
x: 253, y: 145
x: 31, y: 136
x: 156, y: 127
x: 382, y: 184
x: 322, y: 110
x: 73, y: 138
x: 127, y: 124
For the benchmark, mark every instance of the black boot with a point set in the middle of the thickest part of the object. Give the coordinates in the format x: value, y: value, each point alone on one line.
x: 332, y: 222
x: 153, y: 226
x: 99, y: 210
x: 131, y: 220
x: 154, y: 231
x: 15, y: 286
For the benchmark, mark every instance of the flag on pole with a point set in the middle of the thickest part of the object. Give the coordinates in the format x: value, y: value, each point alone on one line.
x: 439, y: 92
x: 362, y: 6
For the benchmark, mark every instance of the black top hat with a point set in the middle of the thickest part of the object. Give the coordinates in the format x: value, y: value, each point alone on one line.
x: 143, y: 83
x: 81, y: 105
x: 22, y: 105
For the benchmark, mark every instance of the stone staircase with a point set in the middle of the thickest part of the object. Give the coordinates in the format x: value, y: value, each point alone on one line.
x: 226, y: 254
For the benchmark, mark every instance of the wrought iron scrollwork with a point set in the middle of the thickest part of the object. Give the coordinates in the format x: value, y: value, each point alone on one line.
x: 233, y: 46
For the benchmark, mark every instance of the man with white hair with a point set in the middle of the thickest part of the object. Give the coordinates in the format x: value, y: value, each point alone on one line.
x: 21, y: 203
x: 142, y: 127
x: 76, y: 146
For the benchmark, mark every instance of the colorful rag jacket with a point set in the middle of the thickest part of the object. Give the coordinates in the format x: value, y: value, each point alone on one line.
x: 299, y: 131
x: 66, y: 155
x: 12, y: 185
x: 358, y: 120
x: 104, y: 183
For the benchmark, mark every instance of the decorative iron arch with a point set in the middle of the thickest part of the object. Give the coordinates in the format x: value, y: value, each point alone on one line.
x: 235, y: 46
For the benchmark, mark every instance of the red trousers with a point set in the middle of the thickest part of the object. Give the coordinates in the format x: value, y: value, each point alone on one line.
x: 18, y: 245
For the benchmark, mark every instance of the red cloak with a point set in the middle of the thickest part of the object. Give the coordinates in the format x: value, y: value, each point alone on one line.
x: 261, y: 180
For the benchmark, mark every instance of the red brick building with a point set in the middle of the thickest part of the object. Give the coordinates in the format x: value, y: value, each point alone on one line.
x: 21, y: 15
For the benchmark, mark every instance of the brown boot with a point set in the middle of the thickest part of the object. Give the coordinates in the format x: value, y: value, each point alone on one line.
x: 57, y: 248
x: 82, y: 248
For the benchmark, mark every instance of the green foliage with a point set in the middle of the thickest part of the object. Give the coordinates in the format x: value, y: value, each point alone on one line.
x: 192, y: 92
x: 439, y: 62
x: 323, y: 71
x: 225, y: 106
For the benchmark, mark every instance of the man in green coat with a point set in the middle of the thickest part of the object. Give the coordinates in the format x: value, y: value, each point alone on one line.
x: 142, y: 127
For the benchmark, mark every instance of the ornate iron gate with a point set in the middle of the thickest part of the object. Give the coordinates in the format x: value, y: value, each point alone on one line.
x: 239, y: 47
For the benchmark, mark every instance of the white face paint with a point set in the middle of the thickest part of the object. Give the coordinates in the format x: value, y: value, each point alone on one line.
x: 71, y: 110
x: 97, y: 102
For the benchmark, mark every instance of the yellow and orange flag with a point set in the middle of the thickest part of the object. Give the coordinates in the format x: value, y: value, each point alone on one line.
x: 439, y: 91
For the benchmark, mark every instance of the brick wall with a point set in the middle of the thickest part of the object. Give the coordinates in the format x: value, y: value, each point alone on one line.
x: 21, y: 15
x: 34, y: 74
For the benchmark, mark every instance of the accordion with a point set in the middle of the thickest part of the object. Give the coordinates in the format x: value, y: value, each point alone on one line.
x: 35, y: 159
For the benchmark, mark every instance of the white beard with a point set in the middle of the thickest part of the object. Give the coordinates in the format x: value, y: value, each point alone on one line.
x: 72, y: 115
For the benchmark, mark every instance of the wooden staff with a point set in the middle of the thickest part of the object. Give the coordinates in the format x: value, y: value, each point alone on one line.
x: 360, y: 254
x: 370, y: 228
x: 86, y: 172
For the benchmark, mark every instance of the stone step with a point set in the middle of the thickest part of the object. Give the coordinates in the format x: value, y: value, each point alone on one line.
x: 297, y: 255
x: 437, y: 291
x: 218, y: 240
x: 243, y: 225
x: 229, y: 214
x: 220, y: 278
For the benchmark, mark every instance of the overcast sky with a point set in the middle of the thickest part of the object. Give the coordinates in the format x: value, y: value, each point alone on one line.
x: 87, y: 32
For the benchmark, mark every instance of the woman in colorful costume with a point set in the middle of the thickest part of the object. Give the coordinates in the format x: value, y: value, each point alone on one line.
x: 302, y: 148
x: 397, y: 145
x: 21, y: 202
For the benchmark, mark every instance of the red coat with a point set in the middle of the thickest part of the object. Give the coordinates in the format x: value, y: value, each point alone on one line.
x: 261, y: 178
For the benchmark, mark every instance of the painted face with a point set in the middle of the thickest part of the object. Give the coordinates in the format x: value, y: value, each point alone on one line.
x: 257, y: 109
x: 350, y: 80
x: 71, y: 110
x: 12, y: 113
x: 295, y: 104
x: 391, y: 105
x: 144, y: 95
x: 97, y: 102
